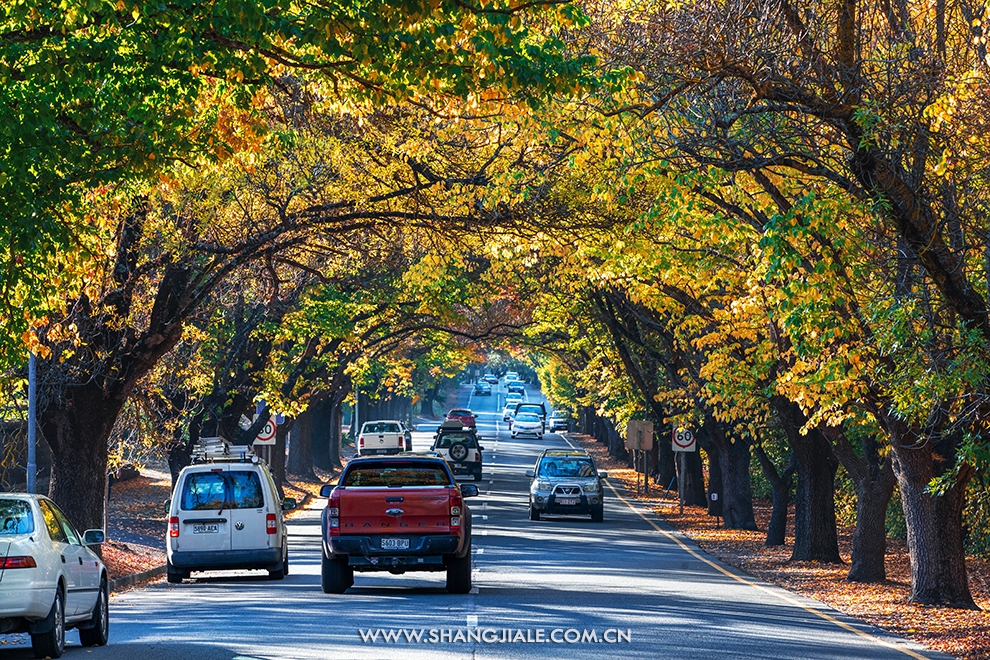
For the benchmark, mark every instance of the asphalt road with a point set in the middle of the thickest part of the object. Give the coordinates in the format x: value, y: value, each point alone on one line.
x: 542, y: 589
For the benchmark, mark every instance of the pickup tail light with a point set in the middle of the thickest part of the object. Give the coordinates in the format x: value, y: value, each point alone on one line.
x: 272, y: 524
x: 455, y: 511
x: 333, y: 514
x: 360, y: 442
x: 173, y: 527
x: 24, y: 561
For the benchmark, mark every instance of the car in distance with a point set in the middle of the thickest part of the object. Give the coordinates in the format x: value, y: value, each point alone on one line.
x: 511, y: 376
x: 383, y: 437
x: 566, y: 482
x: 482, y: 389
x: 396, y: 514
x: 50, y: 580
x: 508, y: 412
x: 537, y: 408
x: 527, y: 423
x: 226, y: 514
x: 463, y: 415
x: 516, y: 386
x: 459, y: 446
x: 491, y: 379
x: 557, y: 422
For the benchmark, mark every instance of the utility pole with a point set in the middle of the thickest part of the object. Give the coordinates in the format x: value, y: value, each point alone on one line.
x: 32, y: 461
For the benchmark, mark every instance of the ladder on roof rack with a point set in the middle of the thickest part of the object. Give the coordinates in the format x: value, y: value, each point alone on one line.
x: 219, y: 448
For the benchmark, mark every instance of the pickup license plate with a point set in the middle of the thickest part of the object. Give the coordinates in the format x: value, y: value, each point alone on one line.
x: 381, y: 451
x: 212, y: 528
x: 395, y: 544
x: 566, y: 501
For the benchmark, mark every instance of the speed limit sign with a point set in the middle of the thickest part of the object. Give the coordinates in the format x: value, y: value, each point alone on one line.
x: 267, y: 435
x: 683, y: 440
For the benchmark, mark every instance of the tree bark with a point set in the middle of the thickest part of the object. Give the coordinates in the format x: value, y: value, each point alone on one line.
x: 300, y: 459
x: 781, y: 483
x: 934, y: 522
x: 815, y: 535
x: 874, y: 480
x: 737, y: 493
x: 714, y: 480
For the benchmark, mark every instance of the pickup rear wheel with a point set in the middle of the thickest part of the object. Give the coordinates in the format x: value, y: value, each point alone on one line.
x: 534, y: 513
x: 336, y: 576
x: 598, y: 515
x: 459, y: 574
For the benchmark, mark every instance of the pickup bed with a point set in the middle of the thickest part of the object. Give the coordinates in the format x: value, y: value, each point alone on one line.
x: 397, y: 514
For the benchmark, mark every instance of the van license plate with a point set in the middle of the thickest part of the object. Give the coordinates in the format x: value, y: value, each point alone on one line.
x: 395, y: 544
x: 212, y: 528
x: 566, y: 501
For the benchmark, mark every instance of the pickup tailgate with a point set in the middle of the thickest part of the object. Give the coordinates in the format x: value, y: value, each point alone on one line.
x: 407, y: 510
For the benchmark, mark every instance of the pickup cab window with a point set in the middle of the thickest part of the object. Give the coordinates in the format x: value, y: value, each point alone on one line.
x: 383, y: 475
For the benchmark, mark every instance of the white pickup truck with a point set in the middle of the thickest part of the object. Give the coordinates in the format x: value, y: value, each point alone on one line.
x: 383, y: 437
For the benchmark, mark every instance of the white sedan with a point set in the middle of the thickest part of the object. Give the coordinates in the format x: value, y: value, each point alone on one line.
x: 527, y: 423
x: 49, y: 578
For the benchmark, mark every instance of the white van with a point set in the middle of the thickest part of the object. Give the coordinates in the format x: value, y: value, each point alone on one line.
x: 226, y: 513
x: 383, y: 437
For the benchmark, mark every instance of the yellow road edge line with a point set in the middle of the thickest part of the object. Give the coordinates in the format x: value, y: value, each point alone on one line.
x: 772, y: 592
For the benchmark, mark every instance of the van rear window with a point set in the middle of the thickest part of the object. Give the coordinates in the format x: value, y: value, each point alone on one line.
x: 383, y: 475
x: 211, y: 491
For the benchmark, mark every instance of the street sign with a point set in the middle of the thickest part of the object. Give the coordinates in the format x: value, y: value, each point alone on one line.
x: 267, y: 435
x: 639, y: 435
x: 683, y: 440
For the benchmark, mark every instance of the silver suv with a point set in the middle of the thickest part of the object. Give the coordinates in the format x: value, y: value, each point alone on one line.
x: 566, y: 482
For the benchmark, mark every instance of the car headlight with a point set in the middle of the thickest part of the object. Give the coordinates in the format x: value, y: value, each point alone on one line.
x: 544, y: 485
x: 591, y: 488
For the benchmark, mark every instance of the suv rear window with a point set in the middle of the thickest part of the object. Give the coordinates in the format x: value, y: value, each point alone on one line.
x: 447, y: 439
x: 237, y: 489
x: 396, y: 474
x: 15, y: 517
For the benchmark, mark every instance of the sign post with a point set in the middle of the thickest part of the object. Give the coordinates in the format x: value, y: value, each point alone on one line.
x: 639, y: 437
x: 682, y: 442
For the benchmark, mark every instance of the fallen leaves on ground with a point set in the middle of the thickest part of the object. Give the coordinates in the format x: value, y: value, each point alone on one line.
x: 961, y: 633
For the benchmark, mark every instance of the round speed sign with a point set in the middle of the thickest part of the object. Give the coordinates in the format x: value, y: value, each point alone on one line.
x: 267, y: 434
x: 683, y: 439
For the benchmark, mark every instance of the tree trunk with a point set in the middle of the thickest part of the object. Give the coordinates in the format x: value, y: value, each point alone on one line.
x: 336, y: 433
x: 714, y: 480
x: 694, y: 480
x: 873, y: 477
x: 300, y: 459
x: 934, y: 522
x: 321, y: 437
x: 815, y: 536
x: 781, y: 484
x: 278, y: 454
x: 78, y: 434
x: 737, y: 494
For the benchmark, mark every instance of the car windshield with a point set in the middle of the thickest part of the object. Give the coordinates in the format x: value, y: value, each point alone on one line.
x: 527, y: 417
x: 530, y: 410
x: 383, y: 475
x: 567, y: 467
x: 15, y: 517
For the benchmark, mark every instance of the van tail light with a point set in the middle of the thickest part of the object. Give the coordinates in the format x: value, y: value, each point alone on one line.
x: 455, y: 511
x: 173, y: 527
x: 272, y: 525
x: 333, y: 515
x: 25, y: 561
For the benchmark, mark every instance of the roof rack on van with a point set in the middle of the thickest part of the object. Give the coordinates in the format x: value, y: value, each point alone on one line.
x: 217, y: 448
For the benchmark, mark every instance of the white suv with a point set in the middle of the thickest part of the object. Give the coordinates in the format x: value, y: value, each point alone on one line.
x: 226, y: 513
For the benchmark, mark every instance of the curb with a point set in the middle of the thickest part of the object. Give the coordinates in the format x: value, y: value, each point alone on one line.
x: 134, y: 578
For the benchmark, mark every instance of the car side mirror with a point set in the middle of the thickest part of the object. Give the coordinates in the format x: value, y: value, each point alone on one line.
x: 326, y: 490
x: 530, y: 474
x: 288, y: 504
x: 168, y: 505
x: 469, y: 490
x: 94, y: 537
x: 480, y: 448
x: 602, y: 475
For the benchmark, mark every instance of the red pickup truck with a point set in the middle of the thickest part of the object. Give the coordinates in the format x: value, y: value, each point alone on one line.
x: 397, y: 514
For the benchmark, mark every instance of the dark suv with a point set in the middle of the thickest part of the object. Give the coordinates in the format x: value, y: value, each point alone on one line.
x: 566, y: 482
x: 460, y: 447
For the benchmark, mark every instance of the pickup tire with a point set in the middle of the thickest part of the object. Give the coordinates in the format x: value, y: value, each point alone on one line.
x: 336, y: 577
x: 598, y: 515
x: 459, y: 574
x: 534, y: 514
